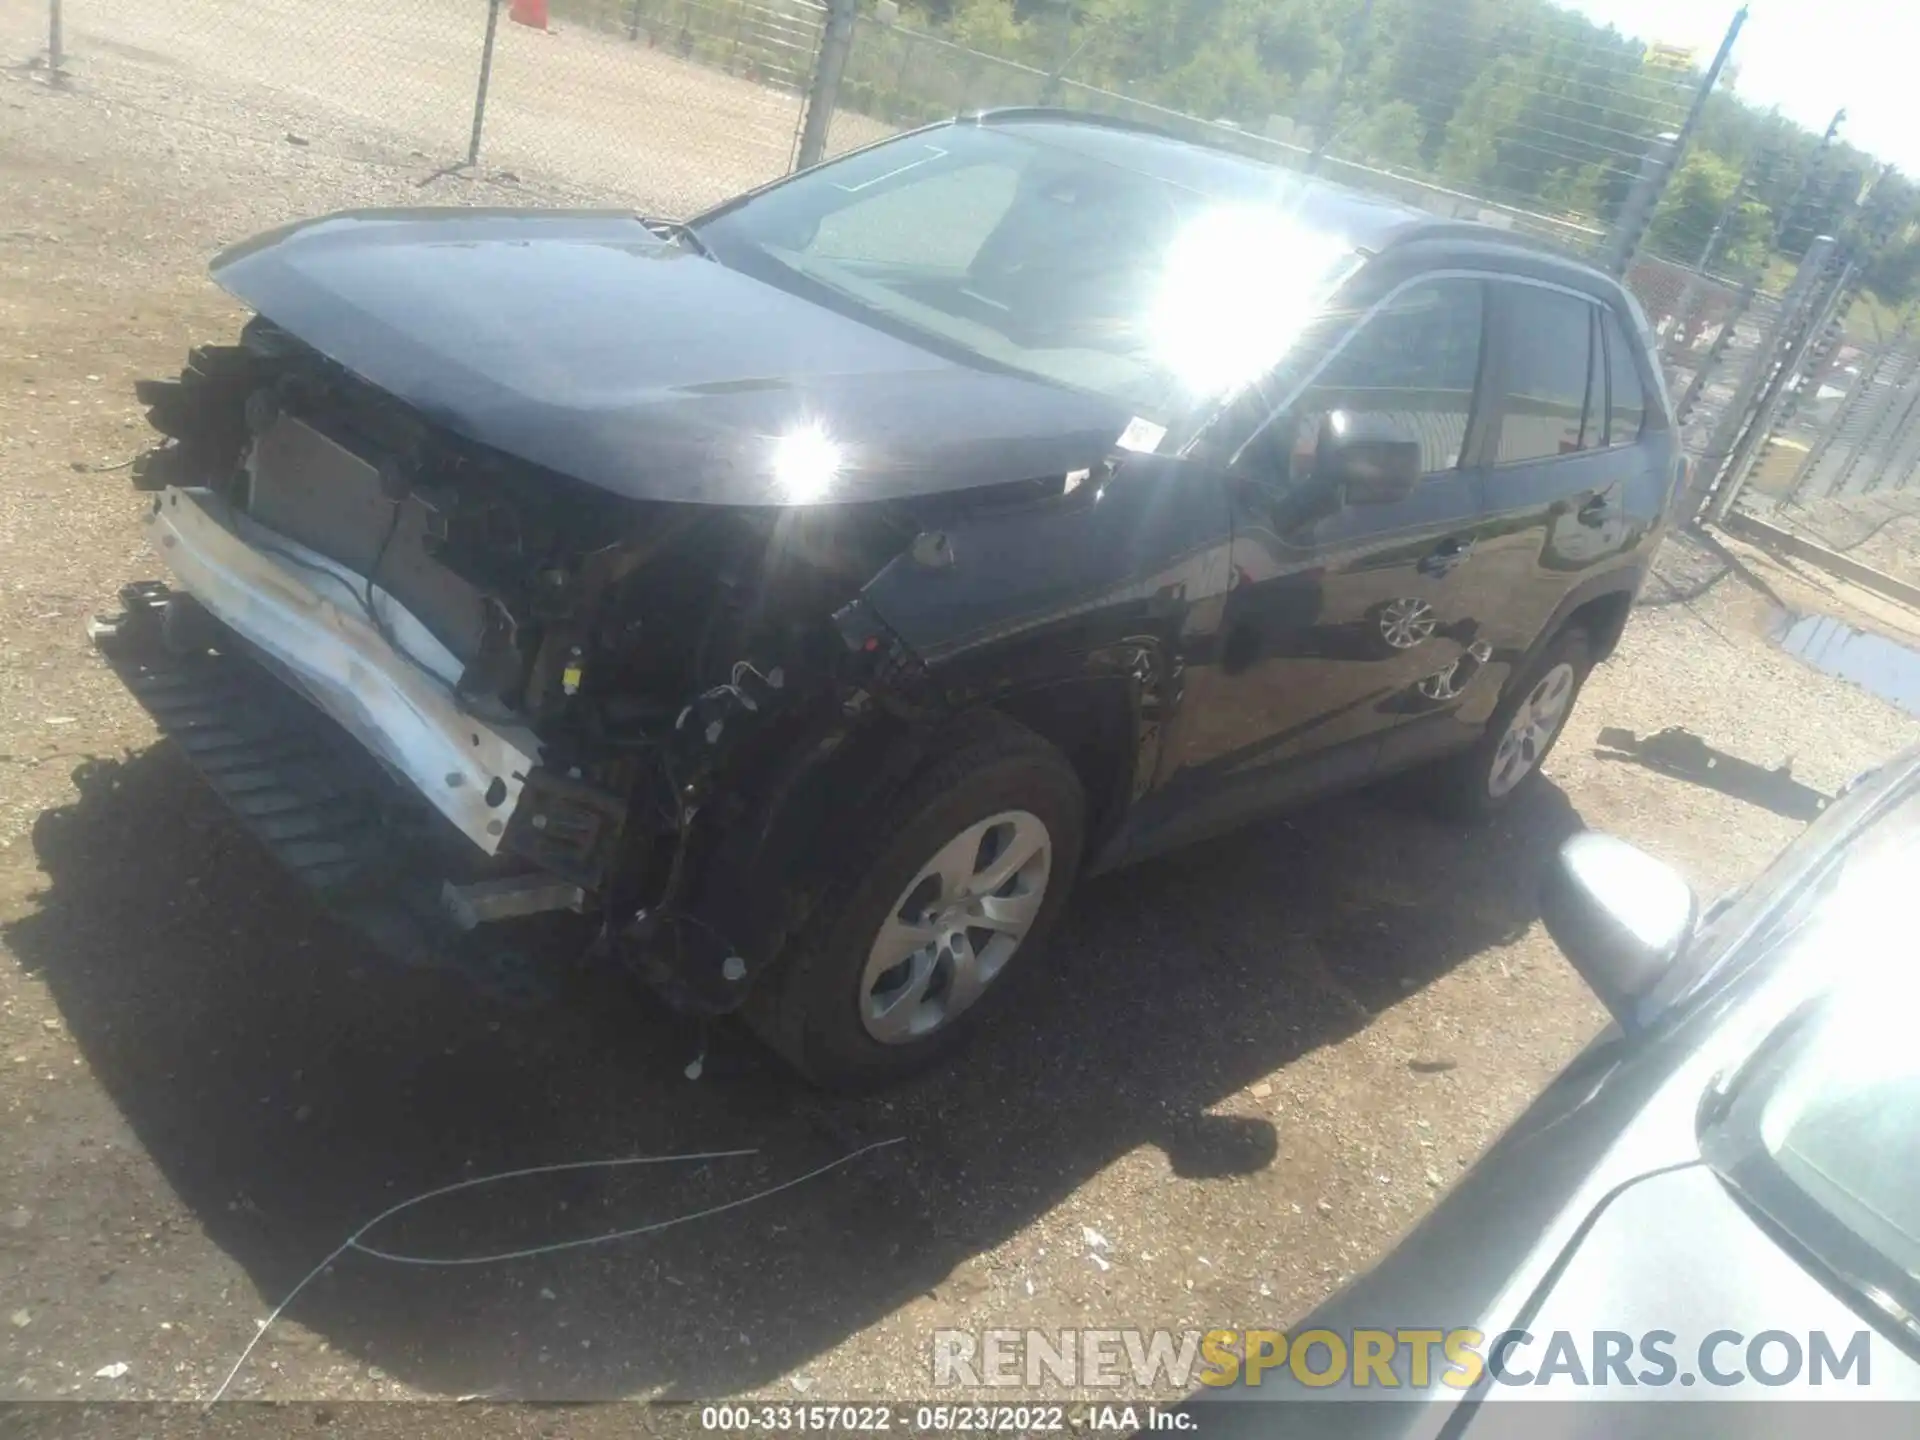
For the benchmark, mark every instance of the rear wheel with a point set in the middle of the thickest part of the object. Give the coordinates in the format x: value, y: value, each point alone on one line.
x: 1532, y: 713
x: 907, y: 953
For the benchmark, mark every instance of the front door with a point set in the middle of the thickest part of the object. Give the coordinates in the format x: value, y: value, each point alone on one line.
x: 1344, y: 620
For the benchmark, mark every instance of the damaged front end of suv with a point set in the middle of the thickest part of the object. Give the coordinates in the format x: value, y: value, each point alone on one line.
x: 478, y: 612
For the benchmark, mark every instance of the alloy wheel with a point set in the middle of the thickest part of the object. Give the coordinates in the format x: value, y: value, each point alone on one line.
x: 955, y: 926
x: 1532, y: 729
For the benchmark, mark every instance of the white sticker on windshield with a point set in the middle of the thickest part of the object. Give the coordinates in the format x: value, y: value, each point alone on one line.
x: 1141, y: 435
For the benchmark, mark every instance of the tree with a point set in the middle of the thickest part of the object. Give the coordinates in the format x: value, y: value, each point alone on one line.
x: 1577, y: 190
x: 1487, y: 111
x: 1700, y: 194
x: 1520, y: 101
x: 1390, y: 136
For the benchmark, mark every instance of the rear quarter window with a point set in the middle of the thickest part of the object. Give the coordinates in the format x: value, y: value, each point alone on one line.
x: 1627, y: 416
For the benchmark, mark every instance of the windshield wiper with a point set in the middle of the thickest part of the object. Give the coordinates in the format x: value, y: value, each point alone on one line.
x: 679, y: 230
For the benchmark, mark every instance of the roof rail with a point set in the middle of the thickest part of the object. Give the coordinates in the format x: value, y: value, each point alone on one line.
x: 1479, y: 230
x: 1062, y: 114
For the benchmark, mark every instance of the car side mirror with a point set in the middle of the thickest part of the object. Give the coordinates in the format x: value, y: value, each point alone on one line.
x: 1620, y: 916
x: 1363, y: 463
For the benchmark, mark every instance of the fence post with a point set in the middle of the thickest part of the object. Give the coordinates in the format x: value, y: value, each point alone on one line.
x: 1901, y: 453
x: 56, y: 45
x: 823, y: 92
x: 1727, y: 434
x: 1896, y: 441
x: 1851, y: 408
x: 1802, y: 315
x: 1905, y: 374
x: 1636, y: 213
x: 1663, y: 159
x: 633, y: 21
x: 486, y: 74
x: 1689, y: 292
x: 1798, y: 374
x: 1717, y: 352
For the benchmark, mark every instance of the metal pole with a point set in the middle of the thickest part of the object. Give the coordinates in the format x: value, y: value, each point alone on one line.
x: 1683, y: 307
x: 1716, y: 352
x: 486, y: 74
x: 1892, y: 474
x: 1783, y: 222
x: 1801, y: 328
x: 56, y: 50
x: 1631, y: 226
x: 1895, y: 437
x: 836, y: 44
x: 1824, y: 341
x: 1636, y: 214
x: 1889, y: 403
x: 633, y: 21
x: 1760, y: 368
x: 1852, y: 406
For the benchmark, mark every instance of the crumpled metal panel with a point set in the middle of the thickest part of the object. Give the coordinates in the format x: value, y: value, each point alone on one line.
x: 314, y: 623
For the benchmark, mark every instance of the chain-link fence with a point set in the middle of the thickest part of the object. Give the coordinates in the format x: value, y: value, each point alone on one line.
x: 1866, y: 437
x: 1519, y: 116
x: 898, y: 75
x: 672, y: 103
x: 1808, y: 412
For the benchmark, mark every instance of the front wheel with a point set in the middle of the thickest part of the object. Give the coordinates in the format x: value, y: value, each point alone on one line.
x: 962, y: 875
x: 1482, y: 781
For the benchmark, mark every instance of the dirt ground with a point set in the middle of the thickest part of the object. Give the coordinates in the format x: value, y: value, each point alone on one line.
x: 1247, y: 1068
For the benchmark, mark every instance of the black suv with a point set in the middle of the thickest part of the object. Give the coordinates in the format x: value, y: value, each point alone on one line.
x: 804, y: 595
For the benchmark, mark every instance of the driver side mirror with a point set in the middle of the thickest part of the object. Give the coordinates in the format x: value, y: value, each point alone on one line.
x: 1363, y: 461
x: 1621, y: 917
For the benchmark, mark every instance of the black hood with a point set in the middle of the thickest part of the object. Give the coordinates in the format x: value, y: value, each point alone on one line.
x: 583, y: 342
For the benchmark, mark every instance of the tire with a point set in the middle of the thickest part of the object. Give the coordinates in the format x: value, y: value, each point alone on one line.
x: 1480, y: 782
x: 847, y: 1018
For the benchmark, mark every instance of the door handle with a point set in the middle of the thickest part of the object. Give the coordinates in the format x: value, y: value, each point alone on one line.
x: 1447, y: 554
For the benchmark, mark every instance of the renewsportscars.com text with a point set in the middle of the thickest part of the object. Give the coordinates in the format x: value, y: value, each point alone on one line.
x: 1410, y: 1359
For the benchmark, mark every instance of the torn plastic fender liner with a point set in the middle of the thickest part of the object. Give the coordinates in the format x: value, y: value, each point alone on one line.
x: 760, y: 878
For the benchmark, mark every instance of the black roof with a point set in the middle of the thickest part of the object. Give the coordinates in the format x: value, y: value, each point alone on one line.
x: 1371, y: 223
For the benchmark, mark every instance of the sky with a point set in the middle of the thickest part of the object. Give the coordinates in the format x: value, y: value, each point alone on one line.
x: 1809, y: 57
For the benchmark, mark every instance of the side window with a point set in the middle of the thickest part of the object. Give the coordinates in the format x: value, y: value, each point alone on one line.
x: 1593, y: 430
x: 1549, y: 364
x: 1411, y: 368
x: 1629, y: 412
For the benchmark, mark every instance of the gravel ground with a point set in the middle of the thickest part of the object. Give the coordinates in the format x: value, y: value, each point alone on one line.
x: 1248, y: 1068
x: 573, y: 109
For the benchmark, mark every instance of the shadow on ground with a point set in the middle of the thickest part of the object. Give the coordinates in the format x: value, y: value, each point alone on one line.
x: 1682, y: 755
x: 290, y: 1084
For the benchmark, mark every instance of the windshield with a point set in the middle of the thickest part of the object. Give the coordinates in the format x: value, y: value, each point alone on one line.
x: 1129, y: 266
x: 1843, y: 1124
x: 1823, y: 1129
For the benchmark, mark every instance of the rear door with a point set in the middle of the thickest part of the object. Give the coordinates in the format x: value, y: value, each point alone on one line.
x: 1556, y: 490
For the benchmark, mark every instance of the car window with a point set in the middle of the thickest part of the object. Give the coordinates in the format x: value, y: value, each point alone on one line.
x: 1103, y: 274
x: 1843, y: 1125
x: 936, y: 224
x: 1629, y: 410
x: 1549, y: 364
x: 1593, y: 429
x: 1819, y: 1127
x: 1411, y: 368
